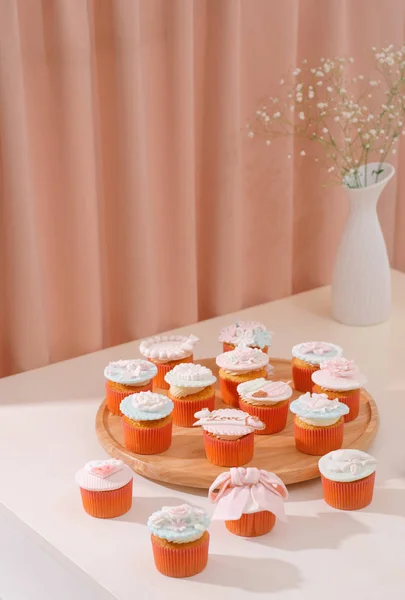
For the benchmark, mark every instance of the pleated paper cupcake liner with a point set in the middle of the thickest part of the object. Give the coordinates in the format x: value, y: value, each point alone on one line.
x: 274, y: 417
x: 351, y: 495
x: 185, y: 409
x: 252, y: 525
x: 320, y: 440
x: 302, y: 377
x: 229, y: 347
x: 163, y: 368
x: 229, y: 393
x: 352, y: 400
x: 147, y: 440
x: 229, y: 453
x: 114, y: 397
x: 181, y: 561
x: 108, y: 504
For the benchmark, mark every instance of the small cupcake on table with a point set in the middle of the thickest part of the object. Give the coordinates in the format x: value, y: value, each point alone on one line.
x: 238, y: 366
x: 340, y: 379
x: 267, y: 400
x: 348, y: 478
x: 318, y: 423
x: 249, y: 333
x: 228, y: 436
x: 167, y: 351
x: 307, y: 358
x: 248, y: 500
x: 126, y: 377
x: 191, y: 389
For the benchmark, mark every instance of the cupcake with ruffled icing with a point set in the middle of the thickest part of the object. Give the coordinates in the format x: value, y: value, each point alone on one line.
x: 318, y: 423
x: 228, y: 435
x: 238, y: 366
x: 348, y: 478
x: 191, y: 389
x: 126, y: 377
x: 167, y: 351
x: 307, y: 358
x: 267, y: 400
x: 180, y: 540
x: 106, y: 488
x: 248, y: 500
x: 248, y: 333
x: 147, y: 422
x: 340, y: 379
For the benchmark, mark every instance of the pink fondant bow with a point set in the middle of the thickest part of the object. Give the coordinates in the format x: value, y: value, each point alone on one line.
x: 240, y: 487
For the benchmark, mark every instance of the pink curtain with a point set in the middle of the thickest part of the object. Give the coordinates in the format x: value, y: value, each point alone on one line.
x: 131, y: 200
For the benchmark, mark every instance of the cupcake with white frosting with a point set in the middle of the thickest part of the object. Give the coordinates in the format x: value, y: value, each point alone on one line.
x: 340, y: 379
x: 167, y: 351
x: 238, y: 366
x: 267, y: 400
x: 307, y: 358
x: 126, y: 377
x: 348, y: 478
x: 106, y: 488
x: 191, y: 389
x: 318, y: 423
x: 180, y: 540
x: 248, y: 333
x: 147, y: 422
x: 228, y: 435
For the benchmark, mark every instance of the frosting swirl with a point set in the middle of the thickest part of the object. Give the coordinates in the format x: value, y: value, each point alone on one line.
x: 249, y: 333
x: 262, y: 391
x: 242, y: 360
x: 339, y: 374
x: 315, y: 352
x: 130, y: 371
x: 227, y: 422
x: 103, y: 475
x: 146, y: 406
x: 164, y: 348
x: 347, y: 465
x: 317, y: 409
x: 178, y: 524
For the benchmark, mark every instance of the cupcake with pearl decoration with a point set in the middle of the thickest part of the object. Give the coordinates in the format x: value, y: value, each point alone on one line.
x: 267, y: 400
x: 307, y: 358
x: 248, y: 333
x: 126, y: 377
x: 167, y: 351
x: 238, y: 366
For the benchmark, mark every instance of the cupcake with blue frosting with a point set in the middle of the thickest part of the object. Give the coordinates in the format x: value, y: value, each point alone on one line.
x: 306, y: 359
x: 126, y: 377
x: 180, y: 540
x: 147, y: 422
x: 318, y: 423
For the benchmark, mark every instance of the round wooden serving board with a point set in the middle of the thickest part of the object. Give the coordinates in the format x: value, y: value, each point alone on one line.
x: 185, y: 462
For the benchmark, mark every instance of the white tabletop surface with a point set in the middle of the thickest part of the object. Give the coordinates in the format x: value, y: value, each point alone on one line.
x: 47, y: 432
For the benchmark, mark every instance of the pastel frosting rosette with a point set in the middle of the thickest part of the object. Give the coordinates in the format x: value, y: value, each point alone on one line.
x: 249, y: 500
x: 125, y: 377
x: 268, y: 401
x: 307, y: 357
x: 248, y: 333
x: 166, y: 351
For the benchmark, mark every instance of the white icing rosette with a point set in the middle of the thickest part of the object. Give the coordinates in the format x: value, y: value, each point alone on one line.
x: 227, y: 422
x: 189, y: 378
x: 347, y: 465
x: 264, y: 392
x: 104, y: 475
x: 339, y: 374
x: 164, y: 348
x: 316, y: 352
x: 242, y: 360
x: 318, y: 410
x: 130, y: 372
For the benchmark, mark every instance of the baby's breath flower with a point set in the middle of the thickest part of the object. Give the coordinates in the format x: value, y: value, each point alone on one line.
x: 302, y: 153
x: 268, y: 142
x: 302, y: 116
x: 276, y: 115
x: 251, y: 134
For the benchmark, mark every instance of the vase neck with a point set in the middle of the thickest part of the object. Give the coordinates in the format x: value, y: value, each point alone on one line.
x: 364, y: 198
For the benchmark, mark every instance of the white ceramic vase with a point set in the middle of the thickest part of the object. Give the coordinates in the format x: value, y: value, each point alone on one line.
x: 361, y: 287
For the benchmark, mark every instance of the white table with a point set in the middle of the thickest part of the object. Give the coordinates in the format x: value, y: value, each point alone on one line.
x: 47, y: 433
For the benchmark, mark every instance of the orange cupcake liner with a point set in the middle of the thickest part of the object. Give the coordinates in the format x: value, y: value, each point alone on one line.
x: 114, y: 398
x: 147, y: 440
x: 351, y: 495
x: 274, y: 417
x: 163, y: 368
x: 108, y: 504
x: 229, y: 347
x: 228, y: 388
x: 351, y: 400
x: 319, y: 441
x: 252, y: 525
x: 184, y: 410
x: 229, y: 453
x: 302, y: 377
x: 181, y: 562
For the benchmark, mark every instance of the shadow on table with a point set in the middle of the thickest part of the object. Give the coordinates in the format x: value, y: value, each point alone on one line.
x: 143, y: 507
x: 387, y: 502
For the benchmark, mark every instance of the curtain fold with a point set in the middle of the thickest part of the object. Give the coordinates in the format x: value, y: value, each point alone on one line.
x: 131, y: 200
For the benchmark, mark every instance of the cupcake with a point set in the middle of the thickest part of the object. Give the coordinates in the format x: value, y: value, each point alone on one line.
x: 126, y: 377
x: 248, y: 500
x: 340, y: 379
x: 237, y: 366
x: 167, y: 351
x: 306, y: 360
x: 347, y: 478
x: 267, y: 400
x: 106, y: 488
x: 180, y: 540
x: 147, y: 422
x: 318, y: 423
x: 191, y: 389
x: 248, y: 333
x: 228, y: 436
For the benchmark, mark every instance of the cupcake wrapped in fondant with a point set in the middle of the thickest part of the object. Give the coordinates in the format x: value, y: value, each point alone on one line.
x: 126, y: 377
x: 228, y: 435
x: 238, y: 366
x: 180, y: 540
x: 191, y: 389
x: 307, y: 358
x: 106, y: 488
x: 340, y: 379
x: 248, y: 333
x: 147, y: 422
x: 318, y: 423
x: 347, y: 478
x: 167, y: 351
x: 248, y: 500
x: 267, y: 400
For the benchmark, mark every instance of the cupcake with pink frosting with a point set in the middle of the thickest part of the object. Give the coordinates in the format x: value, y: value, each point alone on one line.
x: 248, y: 333
x: 340, y: 379
x: 267, y: 400
x: 238, y: 366
x: 307, y: 358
